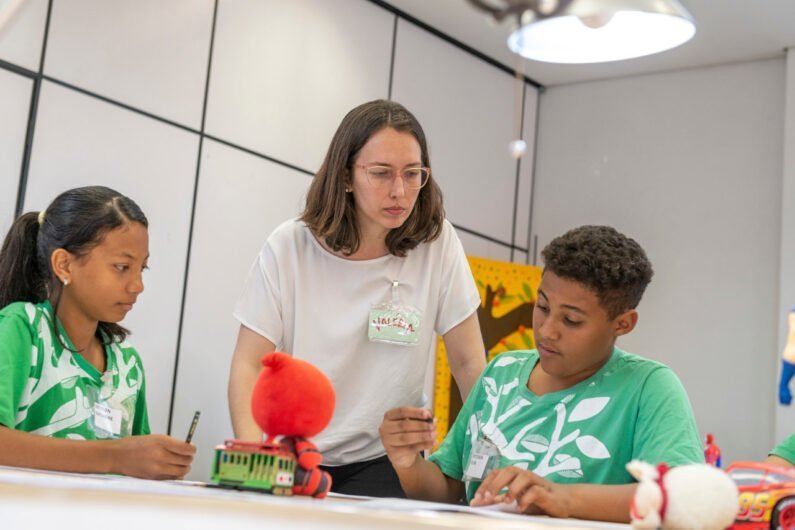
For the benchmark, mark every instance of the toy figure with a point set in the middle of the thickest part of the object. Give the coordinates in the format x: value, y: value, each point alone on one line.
x: 293, y: 401
x: 787, y: 363
x: 689, y: 497
x: 711, y: 451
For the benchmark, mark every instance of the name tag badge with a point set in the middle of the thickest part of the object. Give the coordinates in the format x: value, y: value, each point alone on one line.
x: 484, y: 458
x: 393, y: 322
x: 107, y: 419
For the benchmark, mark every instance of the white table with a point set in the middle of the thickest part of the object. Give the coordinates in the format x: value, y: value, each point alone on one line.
x: 32, y: 499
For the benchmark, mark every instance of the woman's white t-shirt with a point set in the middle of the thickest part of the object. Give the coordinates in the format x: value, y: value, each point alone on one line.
x: 315, y: 306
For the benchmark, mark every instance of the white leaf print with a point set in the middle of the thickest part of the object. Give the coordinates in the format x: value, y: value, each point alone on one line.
x: 569, y: 464
x: 513, y: 409
x: 588, y: 408
x: 574, y: 473
x: 490, y: 385
x: 560, y: 458
x: 30, y: 310
x: 592, y: 447
x: 535, y: 447
x: 567, y: 399
x: 504, y: 360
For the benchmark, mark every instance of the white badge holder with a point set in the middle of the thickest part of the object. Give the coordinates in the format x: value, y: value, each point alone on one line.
x: 484, y: 457
x: 393, y: 322
x: 105, y: 419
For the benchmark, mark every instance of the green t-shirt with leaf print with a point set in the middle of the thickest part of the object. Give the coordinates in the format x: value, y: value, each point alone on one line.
x: 631, y: 408
x: 46, y: 389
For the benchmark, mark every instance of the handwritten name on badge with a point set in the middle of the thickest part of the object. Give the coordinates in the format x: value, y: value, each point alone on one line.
x: 395, y: 326
x: 107, y: 419
x: 393, y: 322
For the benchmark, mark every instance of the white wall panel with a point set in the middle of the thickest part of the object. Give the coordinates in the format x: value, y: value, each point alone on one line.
x: 22, y: 36
x: 525, y: 193
x: 241, y: 199
x: 465, y: 106
x: 520, y: 257
x: 689, y: 164
x: 285, y: 73
x: 156, y: 51
x: 14, y: 106
x: 483, y: 248
x: 82, y: 141
x: 785, y: 415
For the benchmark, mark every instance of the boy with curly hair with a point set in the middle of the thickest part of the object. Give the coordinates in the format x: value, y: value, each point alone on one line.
x: 552, y: 429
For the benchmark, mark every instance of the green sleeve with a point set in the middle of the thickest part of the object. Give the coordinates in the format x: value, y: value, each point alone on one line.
x: 666, y: 430
x: 16, y: 344
x: 141, y: 418
x: 449, y: 457
x: 786, y: 450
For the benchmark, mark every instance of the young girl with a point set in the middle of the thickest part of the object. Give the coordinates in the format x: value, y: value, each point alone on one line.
x: 72, y: 391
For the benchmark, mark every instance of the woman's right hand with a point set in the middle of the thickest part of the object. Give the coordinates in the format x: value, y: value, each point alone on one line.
x: 405, y: 432
x: 155, y: 456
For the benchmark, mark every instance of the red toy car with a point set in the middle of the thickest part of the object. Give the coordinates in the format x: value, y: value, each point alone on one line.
x: 767, y: 496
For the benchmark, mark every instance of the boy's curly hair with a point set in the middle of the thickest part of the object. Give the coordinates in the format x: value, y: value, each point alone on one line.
x: 605, y: 261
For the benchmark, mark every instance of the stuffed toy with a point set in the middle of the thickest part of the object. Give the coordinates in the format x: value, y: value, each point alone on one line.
x: 293, y: 401
x: 787, y: 363
x: 689, y: 497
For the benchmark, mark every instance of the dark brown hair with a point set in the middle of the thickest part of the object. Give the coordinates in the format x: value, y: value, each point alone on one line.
x: 603, y: 260
x: 76, y: 221
x: 330, y: 212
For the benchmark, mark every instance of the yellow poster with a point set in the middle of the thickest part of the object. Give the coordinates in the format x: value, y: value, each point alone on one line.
x: 507, y: 294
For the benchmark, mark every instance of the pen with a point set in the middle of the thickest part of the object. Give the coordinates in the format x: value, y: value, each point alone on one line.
x: 192, y: 427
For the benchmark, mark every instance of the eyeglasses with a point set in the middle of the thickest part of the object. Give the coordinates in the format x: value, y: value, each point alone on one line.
x: 382, y: 176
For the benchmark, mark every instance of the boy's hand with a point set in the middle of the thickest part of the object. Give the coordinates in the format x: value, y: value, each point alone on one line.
x: 405, y: 432
x: 532, y: 493
x: 155, y: 456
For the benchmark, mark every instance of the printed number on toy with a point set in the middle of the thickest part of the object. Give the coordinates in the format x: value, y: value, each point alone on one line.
x: 753, y: 506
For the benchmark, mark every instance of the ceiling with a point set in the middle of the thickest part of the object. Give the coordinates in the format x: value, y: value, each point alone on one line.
x: 727, y: 31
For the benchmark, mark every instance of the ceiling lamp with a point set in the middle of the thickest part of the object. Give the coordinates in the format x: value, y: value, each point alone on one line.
x: 592, y: 31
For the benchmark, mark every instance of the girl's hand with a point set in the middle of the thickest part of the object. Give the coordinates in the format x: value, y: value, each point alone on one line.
x: 155, y: 456
x: 532, y: 493
x: 405, y: 432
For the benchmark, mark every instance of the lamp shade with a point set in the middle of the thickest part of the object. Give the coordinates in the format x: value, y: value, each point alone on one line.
x: 593, y: 31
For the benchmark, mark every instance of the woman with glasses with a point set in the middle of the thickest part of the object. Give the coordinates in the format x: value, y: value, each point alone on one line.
x: 359, y: 286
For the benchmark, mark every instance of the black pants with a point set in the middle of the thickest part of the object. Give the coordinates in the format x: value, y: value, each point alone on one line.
x: 375, y: 478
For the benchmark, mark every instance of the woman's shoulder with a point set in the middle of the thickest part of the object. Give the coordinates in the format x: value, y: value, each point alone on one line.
x: 448, y: 230
x: 288, y: 230
x: 444, y: 242
x: 290, y: 234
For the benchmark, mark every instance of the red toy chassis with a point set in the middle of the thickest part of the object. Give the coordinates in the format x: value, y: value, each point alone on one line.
x: 767, y: 496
